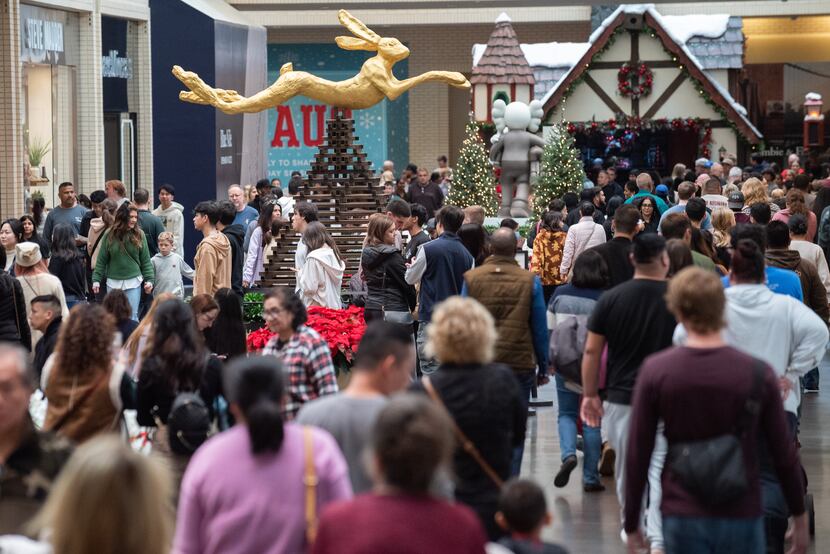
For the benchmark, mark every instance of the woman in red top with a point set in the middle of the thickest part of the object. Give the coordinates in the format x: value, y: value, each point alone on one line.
x: 412, y: 441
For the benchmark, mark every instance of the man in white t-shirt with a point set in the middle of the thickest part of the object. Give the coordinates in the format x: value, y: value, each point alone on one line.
x: 712, y: 194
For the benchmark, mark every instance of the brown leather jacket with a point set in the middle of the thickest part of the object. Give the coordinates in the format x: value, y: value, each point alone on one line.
x: 506, y: 290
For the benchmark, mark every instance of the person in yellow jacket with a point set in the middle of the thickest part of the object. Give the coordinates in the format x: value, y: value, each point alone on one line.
x: 213, y: 255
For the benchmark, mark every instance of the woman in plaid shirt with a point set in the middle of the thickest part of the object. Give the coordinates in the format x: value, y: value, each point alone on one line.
x: 303, y: 352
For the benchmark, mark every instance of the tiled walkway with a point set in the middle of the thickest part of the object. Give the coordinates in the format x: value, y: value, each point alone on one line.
x: 589, y: 523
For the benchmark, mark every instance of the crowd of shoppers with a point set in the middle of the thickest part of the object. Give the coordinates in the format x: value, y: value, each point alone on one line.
x: 617, y: 277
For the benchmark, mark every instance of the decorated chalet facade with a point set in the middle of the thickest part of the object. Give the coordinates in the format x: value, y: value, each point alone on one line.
x: 647, y: 90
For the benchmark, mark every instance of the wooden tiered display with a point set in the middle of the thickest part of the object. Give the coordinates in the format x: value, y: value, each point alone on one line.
x: 344, y: 189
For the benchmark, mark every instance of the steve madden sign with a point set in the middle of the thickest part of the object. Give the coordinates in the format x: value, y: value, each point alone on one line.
x: 47, y: 36
x: 116, y: 68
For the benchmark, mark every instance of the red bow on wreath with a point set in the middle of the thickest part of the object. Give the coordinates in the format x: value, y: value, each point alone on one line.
x: 645, y: 81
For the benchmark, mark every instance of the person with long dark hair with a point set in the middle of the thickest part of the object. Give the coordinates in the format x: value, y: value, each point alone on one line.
x: 261, y: 504
x: 321, y: 278
x: 11, y: 234
x: 30, y: 234
x: 474, y: 238
x: 411, y: 444
x: 177, y: 362
x: 389, y: 296
x: 268, y: 223
x: 68, y: 265
x: 14, y: 325
x: 226, y: 337
x: 124, y: 258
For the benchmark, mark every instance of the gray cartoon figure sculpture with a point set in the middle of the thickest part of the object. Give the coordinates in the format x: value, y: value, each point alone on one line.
x: 518, y: 151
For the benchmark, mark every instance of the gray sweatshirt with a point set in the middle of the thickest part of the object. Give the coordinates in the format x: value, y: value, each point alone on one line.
x: 169, y: 270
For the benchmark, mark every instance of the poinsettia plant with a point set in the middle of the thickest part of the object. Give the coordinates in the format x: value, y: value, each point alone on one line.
x: 341, y: 329
x: 256, y: 340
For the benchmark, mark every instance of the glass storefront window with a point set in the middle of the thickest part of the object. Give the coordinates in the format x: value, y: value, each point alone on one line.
x: 49, y: 119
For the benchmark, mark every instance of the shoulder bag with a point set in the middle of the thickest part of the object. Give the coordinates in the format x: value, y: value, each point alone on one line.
x: 400, y: 317
x: 310, y: 482
x: 466, y: 443
x: 714, y: 470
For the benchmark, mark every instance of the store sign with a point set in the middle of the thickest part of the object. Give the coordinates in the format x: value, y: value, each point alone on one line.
x: 47, y: 36
x: 114, y: 67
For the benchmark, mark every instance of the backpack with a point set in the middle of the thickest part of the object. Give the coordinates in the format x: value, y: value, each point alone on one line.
x: 567, y: 342
x: 188, y: 424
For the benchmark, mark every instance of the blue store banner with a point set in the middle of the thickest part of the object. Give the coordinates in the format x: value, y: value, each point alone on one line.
x: 297, y: 128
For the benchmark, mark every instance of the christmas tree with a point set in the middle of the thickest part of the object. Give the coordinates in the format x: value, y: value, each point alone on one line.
x: 561, y: 171
x: 473, y: 183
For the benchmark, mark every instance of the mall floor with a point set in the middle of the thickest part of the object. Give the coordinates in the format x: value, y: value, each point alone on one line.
x: 589, y: 523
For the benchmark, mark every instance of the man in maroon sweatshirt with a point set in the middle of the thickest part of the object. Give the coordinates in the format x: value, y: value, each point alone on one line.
x: 700, y: 391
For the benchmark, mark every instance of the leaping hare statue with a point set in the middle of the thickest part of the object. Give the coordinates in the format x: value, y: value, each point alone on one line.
x: 374, y: 81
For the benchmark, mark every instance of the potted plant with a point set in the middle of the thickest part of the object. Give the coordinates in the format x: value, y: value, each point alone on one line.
x: 37, y: 151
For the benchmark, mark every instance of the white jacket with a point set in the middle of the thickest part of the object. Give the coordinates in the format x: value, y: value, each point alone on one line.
x: 581, y: 237
x: 776, y: 328
x: 321, y: 279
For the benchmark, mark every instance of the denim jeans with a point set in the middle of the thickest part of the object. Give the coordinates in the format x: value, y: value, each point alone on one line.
x: 592, y: 442
x: 713, y: 535
x: 134, y: 297
x: 428, y: 365
x: 526, y: 381
x: 71, y: 300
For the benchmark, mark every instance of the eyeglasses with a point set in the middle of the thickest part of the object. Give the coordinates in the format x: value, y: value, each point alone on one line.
x: 272, y: 313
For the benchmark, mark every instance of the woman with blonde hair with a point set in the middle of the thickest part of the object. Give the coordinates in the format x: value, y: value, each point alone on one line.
x: 482, y: 397
x: 797, y: 205
x: 389, y: 296
x: 723, y: 220
x: 755, y: 192
x: 81, y: 381
x: 107, y: 499
x: 136, y: 346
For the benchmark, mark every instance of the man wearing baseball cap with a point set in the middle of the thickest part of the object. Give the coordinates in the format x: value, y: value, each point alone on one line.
x: 736, y: 204
x: 702, y: 165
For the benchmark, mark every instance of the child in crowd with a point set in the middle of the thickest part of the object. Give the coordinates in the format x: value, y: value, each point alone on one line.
x: 523, y: 512
x: 169, y: 268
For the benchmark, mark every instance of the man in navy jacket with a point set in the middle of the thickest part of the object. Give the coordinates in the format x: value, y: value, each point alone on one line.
x: 439, y: 267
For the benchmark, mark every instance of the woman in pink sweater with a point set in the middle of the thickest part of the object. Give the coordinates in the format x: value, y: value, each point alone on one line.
x: 245, y: 489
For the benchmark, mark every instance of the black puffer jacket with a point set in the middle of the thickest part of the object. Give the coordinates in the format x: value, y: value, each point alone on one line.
x: 14, y: 327
x: 383, y: 270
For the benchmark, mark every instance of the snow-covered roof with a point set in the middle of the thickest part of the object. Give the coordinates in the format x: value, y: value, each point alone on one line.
x: 544, y: 54
x: 675, y: 36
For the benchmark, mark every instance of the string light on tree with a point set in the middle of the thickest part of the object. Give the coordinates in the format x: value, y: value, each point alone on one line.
x: 473, y: 182
x: 561, y: 171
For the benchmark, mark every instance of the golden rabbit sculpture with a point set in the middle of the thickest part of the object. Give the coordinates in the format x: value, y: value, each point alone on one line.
x: 372, y: 84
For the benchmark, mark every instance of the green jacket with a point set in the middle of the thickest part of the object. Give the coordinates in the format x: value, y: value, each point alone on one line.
x: 122, y: 261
